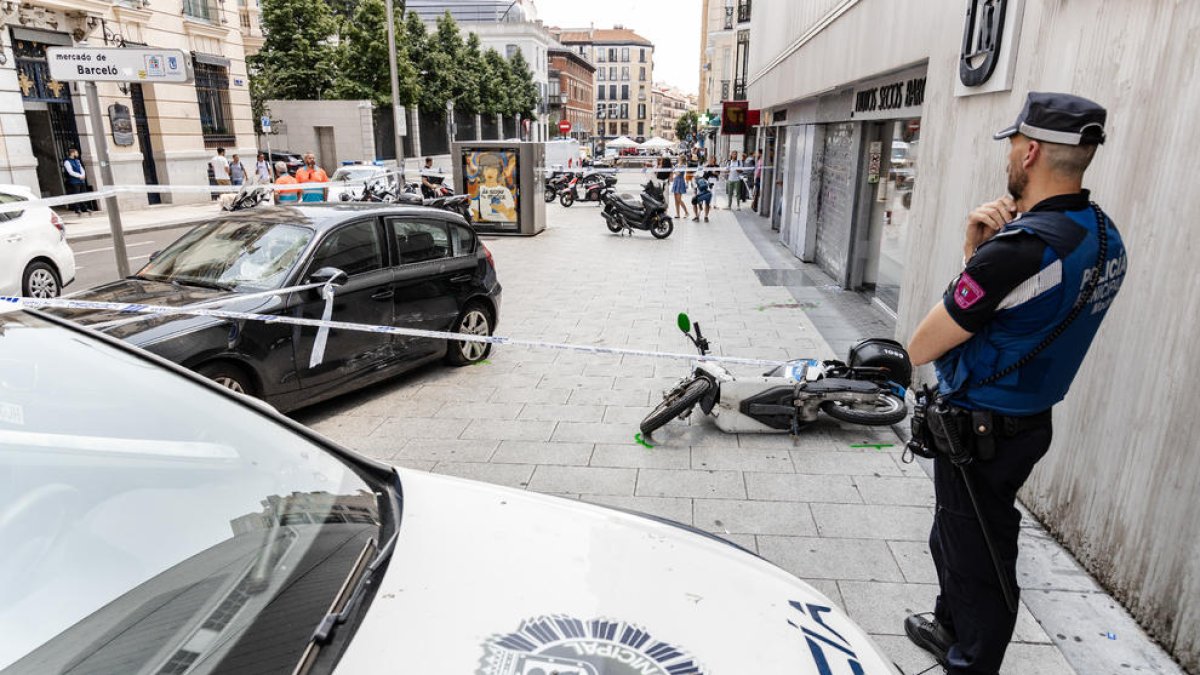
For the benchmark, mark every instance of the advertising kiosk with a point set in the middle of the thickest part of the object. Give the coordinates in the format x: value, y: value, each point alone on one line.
x: 505, y: 183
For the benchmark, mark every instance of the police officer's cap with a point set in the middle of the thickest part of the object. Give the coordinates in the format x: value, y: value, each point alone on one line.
x: 1059, y: 118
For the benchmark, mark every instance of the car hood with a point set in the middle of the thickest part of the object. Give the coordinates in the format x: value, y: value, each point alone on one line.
x: 495, y: 581
x: 154, y: 328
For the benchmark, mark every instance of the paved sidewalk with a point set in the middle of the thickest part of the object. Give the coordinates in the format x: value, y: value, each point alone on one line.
x: 159, y: 217
x: 852, y: 521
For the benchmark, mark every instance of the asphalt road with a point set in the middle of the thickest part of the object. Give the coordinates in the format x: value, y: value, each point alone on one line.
x: 95, y: 262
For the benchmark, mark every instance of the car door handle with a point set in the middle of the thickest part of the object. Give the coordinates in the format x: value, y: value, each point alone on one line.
x: 461, y: 279
x: 14, y: 238
x: 383, y: 295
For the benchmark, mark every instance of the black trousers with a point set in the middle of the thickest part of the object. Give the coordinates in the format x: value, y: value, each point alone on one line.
x: 971, y: 604
x: 75, y: 189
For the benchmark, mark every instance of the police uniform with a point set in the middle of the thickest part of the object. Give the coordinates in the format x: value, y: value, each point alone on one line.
x: 1013, y: 293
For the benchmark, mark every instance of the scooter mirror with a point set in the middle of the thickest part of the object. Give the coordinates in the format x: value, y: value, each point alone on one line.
x: 684, y: 322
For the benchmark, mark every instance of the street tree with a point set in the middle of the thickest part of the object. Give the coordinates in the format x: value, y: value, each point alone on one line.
x: 363, y: 69
x: 297, y: 60
x: 493, y: 84
x: 522, y: 90
x: 686, y: 125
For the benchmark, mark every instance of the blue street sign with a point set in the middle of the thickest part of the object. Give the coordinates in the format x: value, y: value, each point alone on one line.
x: 266, y: 123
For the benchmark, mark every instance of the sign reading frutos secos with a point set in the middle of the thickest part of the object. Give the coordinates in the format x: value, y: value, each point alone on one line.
x: 78, y: 64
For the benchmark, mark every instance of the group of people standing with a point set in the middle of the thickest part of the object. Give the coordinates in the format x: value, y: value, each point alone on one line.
x: 742, y: 175
x: 233, y: 172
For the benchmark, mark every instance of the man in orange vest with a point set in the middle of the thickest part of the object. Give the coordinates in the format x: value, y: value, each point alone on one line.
x: 285, y: 196
x: 311, y: 173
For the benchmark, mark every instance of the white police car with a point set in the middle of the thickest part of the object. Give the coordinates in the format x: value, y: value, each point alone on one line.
x: 152, y: 522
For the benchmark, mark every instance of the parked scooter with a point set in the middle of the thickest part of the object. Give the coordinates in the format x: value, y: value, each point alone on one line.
x: 868, y: 389
x: 374, y: 191
x: 460, y: 204
x: 556, y: 183
x: 594, y: 186
x: 624, y: 213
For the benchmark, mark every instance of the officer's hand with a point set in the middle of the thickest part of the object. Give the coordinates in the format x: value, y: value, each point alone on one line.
x: 986, y: 220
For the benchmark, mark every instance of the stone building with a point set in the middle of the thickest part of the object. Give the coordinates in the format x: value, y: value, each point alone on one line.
x: 724, y: 62
x: 668, y: 104
x: 572, y: 92
x: 177, y: 127
x: 624, y: 75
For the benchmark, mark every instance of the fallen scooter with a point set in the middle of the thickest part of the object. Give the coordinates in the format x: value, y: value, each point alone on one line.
x: 868, y: 389
x: 624, y: 213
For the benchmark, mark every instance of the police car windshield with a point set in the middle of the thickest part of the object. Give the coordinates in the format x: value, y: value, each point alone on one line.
x: 149, y: 523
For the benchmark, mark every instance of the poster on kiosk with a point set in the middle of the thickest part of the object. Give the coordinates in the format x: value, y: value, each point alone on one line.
x: 500, y: 177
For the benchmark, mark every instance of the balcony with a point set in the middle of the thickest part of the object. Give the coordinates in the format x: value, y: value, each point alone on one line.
x: 739, y: 90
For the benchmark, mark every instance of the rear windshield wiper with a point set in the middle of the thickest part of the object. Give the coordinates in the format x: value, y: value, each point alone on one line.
x: 354, y: 588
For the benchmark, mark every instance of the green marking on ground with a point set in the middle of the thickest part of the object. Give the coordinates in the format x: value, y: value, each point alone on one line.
x: 485, y: 362
x: 642, y: 442
x: 877, y: 446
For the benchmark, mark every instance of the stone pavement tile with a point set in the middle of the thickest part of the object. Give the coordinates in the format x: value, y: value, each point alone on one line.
x: 872, y: 521
x: 455, y: 393
x: 636, y: 456
x: 347, y: 425
x: 827, y: 587
x: 843, y: 463
x: 678, y: 509
x: 512, y: 475
x: 397, y: 407
x: 705, y: 484
x: 554, y: 380
x: 421, y: 427
x: 530, y: 395
x: 735, y: 516
x: 912, y: 469
x: 610, y: 397
x: 880, y: 607
x: 418, y: 464
x: 623, y: 414
x: 480, y: 411
x: 746, y: 541
x: 540, y: 452
x: 739, y: 459
x: 376, y: 448
x: 655, y: 385
x: 1027, y: 659
x: 594, y: 432
x: 915, y: 561
x: 798, y: 487
x: 595, y: 368
x: 586, y: 480
x: 909, y: 657
x: 1028, y: 629
x: 1045, y: 565
x: 896, y: 491
x: 509, y: 430
x: 829, y: 558
x: 558, y: 412
x: 446, y: 450
x: 516, y: 378
x: 699, y: 433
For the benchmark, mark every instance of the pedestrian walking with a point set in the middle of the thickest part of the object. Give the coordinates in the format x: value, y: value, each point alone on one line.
x: 262, y: 169
x: 311, y: 173
x: 679, y: 188
x: 704, y: 195
x: 285, y: 195
x: 76, y: 180
x: 220, y: 167
x: 1041, y: 268
x: 733, y: 181
x: 237, y: 170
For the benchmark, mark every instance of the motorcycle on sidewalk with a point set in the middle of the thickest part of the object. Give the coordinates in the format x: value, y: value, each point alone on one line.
x: 625, y: 213
x: 447, y: 201
x: 593, y: 184
x: 867, y: 389
x: 556, y: 183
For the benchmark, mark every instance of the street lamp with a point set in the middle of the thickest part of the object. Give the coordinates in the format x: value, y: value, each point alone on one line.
x: 397, y: 118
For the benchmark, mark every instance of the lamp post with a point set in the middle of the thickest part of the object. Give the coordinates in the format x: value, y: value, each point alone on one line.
x: 397, y: 118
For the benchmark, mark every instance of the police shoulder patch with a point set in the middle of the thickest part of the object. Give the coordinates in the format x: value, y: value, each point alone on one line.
x: 967, y: 292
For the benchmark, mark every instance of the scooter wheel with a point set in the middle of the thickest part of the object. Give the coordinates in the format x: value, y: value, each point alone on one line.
x: 886, y: 409
x: 567, y: 199
x: 663, y: 228
x: 549, y: 196
x: 679, y: 401
x: 614, y: 227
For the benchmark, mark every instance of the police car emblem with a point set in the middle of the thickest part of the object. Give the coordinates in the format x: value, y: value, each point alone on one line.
x: 562, y: 645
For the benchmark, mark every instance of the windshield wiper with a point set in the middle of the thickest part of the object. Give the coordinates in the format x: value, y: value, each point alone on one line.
x: 200, y: 283
x: 354, y: 588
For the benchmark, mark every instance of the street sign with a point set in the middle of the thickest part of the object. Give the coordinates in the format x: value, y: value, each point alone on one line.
x: 564, y: 127
x: 265, y: 123
x: 75, y: 64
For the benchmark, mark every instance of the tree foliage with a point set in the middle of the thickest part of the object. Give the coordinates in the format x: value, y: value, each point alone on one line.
x: 522, y: 91
x: 297, y: 60
x: 686, y: 125
x: 362, y: 59
x: 493, y: 84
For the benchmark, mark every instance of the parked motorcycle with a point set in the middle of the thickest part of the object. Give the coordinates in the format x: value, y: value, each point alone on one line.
x: 625, y: 213
x: 868, y: 389
x: 246, y: 198
x: 556, y: 183
x: 460, y: 204
x: 594, y: 186
x: 374, y: 191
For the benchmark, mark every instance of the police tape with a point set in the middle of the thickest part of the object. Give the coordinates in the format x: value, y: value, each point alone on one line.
x: 11, y: 303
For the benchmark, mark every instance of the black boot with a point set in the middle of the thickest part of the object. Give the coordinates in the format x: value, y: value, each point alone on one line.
x: 926, y: 633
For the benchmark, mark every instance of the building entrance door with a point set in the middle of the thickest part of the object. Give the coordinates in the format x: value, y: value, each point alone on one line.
x: 891, y: 189
x: 48, y: 113
x: 142, y: 123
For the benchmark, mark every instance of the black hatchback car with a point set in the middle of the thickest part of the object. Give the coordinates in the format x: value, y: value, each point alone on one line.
x: 405, y: 266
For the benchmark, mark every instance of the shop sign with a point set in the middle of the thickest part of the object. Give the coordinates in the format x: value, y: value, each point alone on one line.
x: 122, y: 124
x: 874, y: 161
x: 890, y: 99
x: 987, y: 58
x: 734, y: 117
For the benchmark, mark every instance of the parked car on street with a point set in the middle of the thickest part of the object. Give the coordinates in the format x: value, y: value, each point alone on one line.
x: 405, y: 266
x: 35, y: 259
x: 359, y: 174
x: 156, y: 523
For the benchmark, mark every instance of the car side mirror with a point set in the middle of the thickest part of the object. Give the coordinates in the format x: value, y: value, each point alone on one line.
x: 328, y: 275
x: 154, y: 255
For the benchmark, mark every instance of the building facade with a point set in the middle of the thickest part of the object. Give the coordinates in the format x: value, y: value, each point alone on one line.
x: 668, y: 104
x: 884, y: 145
x: 534, y: 41
x: 572, y: 91
x: 724, y: 63
x: 176, y: 127
x: 624, y: 64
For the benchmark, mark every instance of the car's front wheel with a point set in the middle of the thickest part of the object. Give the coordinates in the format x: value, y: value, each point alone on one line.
x: 229, y: 376
x: 40, y: 281
x: 475, y: 320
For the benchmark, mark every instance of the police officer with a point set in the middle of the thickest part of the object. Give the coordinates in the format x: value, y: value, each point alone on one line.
x: 1007, y: 342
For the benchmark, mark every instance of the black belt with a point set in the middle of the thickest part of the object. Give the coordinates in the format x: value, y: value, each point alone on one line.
x: 1012, y: 425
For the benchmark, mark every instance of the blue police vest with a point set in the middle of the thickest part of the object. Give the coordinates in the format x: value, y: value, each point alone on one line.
x: 1072, y: 248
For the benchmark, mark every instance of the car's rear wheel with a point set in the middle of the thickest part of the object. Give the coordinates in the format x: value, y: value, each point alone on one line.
x: 230, y: 376
x: 40, y: 281
x: 475, y: 320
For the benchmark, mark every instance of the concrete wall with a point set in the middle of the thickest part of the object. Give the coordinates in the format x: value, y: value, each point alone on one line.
x: 1121, y: 485
x: 352, y: 123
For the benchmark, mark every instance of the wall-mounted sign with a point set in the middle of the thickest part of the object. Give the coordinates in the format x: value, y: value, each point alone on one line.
x: 897, y: 97
x: 874, y: 161
x: 122, y: 124
x: 988, y: 55
x: 77, y: 64
x: 734, y: 117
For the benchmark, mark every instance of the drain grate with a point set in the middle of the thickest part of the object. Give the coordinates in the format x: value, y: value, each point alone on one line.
x: 783, y: 278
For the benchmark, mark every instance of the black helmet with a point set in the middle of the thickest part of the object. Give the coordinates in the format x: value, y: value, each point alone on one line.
x: 883, y: 353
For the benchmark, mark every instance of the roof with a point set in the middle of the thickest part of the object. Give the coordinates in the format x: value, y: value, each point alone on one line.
x: 606, y: 36
x: 571, y: 55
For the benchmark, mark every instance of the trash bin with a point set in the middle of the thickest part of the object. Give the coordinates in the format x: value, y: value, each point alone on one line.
x: 504, y: 181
